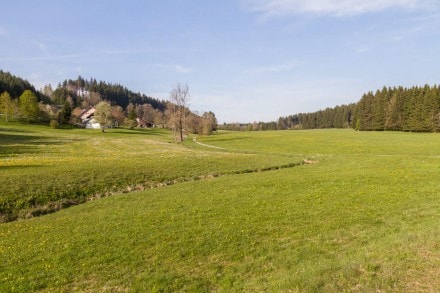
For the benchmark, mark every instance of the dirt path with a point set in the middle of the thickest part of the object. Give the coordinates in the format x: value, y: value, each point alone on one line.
x: 207, y: 145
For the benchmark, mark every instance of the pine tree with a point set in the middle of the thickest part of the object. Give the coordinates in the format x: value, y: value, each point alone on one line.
x: 65, y: 113
x: 393, y: 119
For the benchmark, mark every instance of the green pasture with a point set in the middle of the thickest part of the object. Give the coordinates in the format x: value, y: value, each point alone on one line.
x: 363, y: 216
x: 42, y: 169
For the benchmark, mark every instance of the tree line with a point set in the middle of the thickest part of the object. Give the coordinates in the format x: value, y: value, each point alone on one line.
x: 395, y: 109
x: 64, y: 104
x: 414, y: 109
x: 402, y: 109
x: 337, y: 117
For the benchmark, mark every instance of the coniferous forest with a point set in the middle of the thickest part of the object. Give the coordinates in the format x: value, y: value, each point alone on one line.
x: 394, y: 109
x: 77, y: 92
x: 403, y: 109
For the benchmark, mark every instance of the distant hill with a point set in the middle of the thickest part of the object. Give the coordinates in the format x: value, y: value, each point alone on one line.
x: 15, y: 86
x: 78, y: 90
x: 81, y: 89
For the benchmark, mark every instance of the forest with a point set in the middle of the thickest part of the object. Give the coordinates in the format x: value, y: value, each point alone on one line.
x: 337, y: 117
x: 403, y: 109
x: 415, y: 109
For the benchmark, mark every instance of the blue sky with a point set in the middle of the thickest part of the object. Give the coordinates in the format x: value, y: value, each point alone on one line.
x: 245, y: 60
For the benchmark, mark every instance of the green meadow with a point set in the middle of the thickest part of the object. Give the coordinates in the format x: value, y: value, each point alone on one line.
x: 43, y: 169
x: 239, y: 212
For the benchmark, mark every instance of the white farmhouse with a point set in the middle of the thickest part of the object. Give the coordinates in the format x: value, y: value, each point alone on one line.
x: 88, y: 119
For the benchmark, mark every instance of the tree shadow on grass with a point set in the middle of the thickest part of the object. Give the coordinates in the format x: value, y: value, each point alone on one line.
x: 16, y: 144
x: 140, y: 131
x: 15, y: 130
x: 5, y: 168
x: 228, y: 139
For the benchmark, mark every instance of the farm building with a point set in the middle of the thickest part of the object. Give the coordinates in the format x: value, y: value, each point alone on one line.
x: 144, y: 124
x: 87, y: 119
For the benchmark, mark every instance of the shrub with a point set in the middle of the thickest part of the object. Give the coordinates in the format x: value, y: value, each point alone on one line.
x: 53, y: 124
x: 130, y: 123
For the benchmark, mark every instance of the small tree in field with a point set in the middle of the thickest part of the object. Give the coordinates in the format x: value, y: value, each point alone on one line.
x: 7, y: 106
x: 209, y: 123
x: 103, y: 114
x: 28, y: 105
x: 179, y: 98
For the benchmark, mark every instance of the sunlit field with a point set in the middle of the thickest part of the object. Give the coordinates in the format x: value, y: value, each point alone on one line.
x: 363, y: 214
x: 43, y: 169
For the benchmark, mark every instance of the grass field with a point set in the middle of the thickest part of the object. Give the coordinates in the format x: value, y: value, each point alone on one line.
x: 43, y: 169
x: 365, y: 217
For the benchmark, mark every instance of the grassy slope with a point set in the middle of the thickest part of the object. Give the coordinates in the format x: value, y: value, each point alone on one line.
x: 40, y: 166
x: 366, y: 217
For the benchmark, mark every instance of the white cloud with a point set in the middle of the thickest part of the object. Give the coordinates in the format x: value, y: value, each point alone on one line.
x: 176, y: 68
x: 44, y: 58
x: 272, y: 68
x: 160, y: 95
x: 270, y: 8
x: 37, y: 80
x: 42, y: 46
x: 182, y: 69
x: 362, y: 49
x: 397, y: 38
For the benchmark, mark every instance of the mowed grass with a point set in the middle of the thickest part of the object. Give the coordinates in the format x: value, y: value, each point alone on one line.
x: 364, y: 218
x: 43, y: 169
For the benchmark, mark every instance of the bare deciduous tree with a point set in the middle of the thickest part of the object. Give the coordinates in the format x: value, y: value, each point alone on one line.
x: 179, y: 98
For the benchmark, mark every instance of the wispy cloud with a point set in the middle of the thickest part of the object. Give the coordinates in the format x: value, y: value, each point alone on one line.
x: 362, y: 49
x: 174, y: 67
x: 182, y: 69
x: 43, y: 58
x: 272, y: 68
x: 41, y: 46
x: 65, y: 57
x: 271, y: 8
x: 2, y: 31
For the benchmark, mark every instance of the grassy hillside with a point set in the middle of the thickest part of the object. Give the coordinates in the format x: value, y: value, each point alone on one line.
x: 365, y: 217
x: 43, y: 169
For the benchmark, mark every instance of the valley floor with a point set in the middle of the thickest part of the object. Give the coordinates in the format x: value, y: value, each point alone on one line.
x: 364, y: 217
